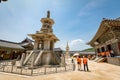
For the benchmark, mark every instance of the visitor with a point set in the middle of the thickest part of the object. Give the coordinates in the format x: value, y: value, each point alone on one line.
x: 107, y: 53
x: 112, y: 53
x: 85, y: 63
x: 72, y: 60
x: 79, y: 62
x: 89, y: 57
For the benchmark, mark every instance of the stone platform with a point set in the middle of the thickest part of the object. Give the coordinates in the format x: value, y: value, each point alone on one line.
x: 114, y: 60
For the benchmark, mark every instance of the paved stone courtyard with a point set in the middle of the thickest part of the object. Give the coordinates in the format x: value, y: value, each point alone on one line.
x: 98, y: 71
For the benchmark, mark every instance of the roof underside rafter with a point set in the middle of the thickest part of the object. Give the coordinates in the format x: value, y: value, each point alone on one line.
x: 104, y: 26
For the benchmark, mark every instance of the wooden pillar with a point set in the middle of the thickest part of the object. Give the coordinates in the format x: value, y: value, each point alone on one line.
x: 3, y: 54
x: 119, y: 47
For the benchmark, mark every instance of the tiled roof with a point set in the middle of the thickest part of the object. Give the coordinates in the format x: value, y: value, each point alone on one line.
x: 57, y: 49
x: 104, y: 26
x: 27, y: 40
x: 9, y: 44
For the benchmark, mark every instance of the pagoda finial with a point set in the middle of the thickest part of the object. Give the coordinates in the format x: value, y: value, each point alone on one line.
x: 48, y: 14
x: 67, y: 47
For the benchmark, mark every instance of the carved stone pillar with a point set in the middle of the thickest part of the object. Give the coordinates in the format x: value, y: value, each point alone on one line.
x: 36, y: 44
x: 51, y: 45
x: 47, y: 44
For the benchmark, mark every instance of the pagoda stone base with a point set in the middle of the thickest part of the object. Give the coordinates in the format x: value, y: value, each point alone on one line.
x: 40, y: 57
x: 47, y: 58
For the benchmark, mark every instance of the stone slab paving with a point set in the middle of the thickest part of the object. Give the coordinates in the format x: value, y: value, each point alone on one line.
x: 98, y: 71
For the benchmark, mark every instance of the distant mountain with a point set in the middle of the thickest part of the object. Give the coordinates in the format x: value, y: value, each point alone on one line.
x: 88, y: 50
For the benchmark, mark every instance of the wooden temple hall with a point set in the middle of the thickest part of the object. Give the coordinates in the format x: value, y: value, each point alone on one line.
x: 107, y: 39
x: 13, y: 50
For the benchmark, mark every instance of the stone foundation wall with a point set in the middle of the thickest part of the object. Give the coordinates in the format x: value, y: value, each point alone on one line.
x: 115, y: 49
x: 114, y: 60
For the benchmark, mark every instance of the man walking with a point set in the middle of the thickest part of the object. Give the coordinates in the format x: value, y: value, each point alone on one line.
x: 85, y: 63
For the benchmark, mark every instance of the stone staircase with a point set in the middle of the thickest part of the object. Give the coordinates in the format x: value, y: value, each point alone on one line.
x: 101, y: 59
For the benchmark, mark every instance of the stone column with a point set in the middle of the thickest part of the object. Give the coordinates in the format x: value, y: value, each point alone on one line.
x: 22, y: 59
x: 52, y: 44
x: 36, y: 44
x: 47, y: 44
x: 48, y: 59
x: 33, y: 60
x: 42, y: 45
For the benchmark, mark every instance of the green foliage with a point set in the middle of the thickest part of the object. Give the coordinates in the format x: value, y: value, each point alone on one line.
x: 89, y: 50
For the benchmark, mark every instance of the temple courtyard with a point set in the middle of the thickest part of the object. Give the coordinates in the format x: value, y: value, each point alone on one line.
x: 98, y: 71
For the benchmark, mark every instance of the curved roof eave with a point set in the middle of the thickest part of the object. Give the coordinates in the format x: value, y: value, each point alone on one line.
x: 99, y: 32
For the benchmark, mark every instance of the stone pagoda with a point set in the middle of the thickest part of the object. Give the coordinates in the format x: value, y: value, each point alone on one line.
x: 44, y: 44
x: 45, y: 39
x: 67, y: 51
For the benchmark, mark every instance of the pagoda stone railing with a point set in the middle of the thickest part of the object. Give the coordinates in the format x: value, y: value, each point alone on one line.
x: 11, y: 67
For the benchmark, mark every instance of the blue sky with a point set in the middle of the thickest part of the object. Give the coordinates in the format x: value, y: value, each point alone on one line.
x: 76, y: 21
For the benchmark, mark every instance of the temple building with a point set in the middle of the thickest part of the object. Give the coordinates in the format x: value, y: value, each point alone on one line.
x: 10, y: 50
x: 27, y: 44
x: 107, y: 38
x: 13, y: 50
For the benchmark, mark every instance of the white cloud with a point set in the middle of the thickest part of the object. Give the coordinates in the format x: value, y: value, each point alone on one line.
x: 76, y: 42
x: 74, y: 45
x: 62, y: 46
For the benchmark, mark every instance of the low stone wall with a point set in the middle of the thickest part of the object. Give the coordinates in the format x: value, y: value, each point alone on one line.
x: 114, y: 60
x: 6, y: 66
